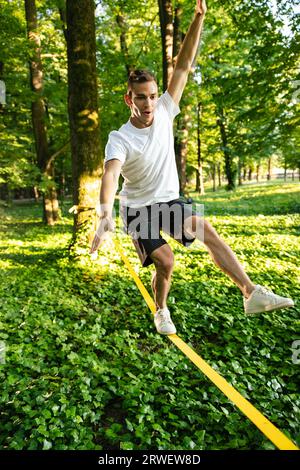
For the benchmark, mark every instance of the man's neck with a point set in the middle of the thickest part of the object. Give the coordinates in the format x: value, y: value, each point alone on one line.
x: 139, y: 124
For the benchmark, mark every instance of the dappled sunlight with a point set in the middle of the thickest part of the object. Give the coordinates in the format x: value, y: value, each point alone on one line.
x: 81, y: 329
x: 88, y: 120
x: 83, y: 105
x: 239, y: 201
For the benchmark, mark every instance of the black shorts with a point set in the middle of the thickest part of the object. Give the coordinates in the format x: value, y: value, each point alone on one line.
x: 144, y: 224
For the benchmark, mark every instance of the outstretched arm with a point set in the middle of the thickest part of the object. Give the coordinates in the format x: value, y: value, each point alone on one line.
x: 108, y: 191
x: 187, y: 53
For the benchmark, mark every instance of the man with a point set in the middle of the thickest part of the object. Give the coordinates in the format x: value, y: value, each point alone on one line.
x: 143, y: 150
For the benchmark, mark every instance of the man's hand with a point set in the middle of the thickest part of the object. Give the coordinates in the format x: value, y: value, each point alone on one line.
x: 201, y: 7
x: 106, y: 225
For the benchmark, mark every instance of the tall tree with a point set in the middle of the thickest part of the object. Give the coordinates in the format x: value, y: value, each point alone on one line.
x: 167, y: 29
x: 250, y: 65
x: 172, y: 38
x: 83, y: 117
x: 123, y: 41
x: 39, y: 117
x: 230, y: 168
x: 199, y: 173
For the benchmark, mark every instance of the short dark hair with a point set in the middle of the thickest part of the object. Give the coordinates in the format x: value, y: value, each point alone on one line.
x: 139, y: 76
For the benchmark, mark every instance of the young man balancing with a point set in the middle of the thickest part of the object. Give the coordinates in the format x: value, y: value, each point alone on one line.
x: 143, y: 150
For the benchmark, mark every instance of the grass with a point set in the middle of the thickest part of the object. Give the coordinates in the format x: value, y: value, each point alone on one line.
x: 83, y: 366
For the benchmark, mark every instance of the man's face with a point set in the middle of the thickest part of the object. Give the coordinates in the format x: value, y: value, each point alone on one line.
x: 142, y: 103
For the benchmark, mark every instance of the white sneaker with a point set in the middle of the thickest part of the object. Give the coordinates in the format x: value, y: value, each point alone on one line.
x: 264, y: 300
x: 163, y: 322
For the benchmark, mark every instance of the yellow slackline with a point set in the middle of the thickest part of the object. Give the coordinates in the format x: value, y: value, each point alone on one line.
x: 263, y: 424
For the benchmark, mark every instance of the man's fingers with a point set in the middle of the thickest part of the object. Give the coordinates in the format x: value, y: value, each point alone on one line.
x: 112, y: 225
x: 95, y: 244
x: 106, y: 225
x: 201, y: 7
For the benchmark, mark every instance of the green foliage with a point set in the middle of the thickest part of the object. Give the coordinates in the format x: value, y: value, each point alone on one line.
x: 249, y: 69
x: 249, y: 62
x: 84, y: 366
x: 17, y: 155
x: 142, y: 37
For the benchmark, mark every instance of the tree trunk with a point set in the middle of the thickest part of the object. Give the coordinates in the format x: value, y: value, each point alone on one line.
x: 285, y: 169
x: 250, y: 174
x: 269, y: 176
x: 177, y: 33
x: 63, y: 18
x: 123, y: 42
x: 214, y: 176
x: 258, y: 172
x: 50, y: 202
x: 229, y: 165
x: 166, y: 26
x: 240, y: 167
x: 83, y: 119
x: 36, y: 193
x: 219, y: 175
x: 181, y: 143
x: 199, y: 179
x: 63, y: 185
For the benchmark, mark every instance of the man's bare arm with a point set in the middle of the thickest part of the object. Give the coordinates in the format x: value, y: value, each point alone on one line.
x: 109, y: 186
x: 187, y: 53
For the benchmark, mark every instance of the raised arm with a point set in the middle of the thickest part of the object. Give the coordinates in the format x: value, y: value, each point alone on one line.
x: 187, y: 53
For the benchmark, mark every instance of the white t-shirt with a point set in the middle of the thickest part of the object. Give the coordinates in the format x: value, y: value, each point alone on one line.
x: 148, y: 157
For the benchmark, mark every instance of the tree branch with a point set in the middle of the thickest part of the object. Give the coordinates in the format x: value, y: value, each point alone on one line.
x: 54, y: 155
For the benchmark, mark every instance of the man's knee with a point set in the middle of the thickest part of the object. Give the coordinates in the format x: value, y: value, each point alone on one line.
x: 201, y: 229
x: 211, y: 237
x: 163, y: 259
x: 194, y: 227
x: 165, y: 265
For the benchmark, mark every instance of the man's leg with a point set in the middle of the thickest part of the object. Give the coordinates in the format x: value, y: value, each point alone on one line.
x: 163, y: 259
x: 221, y: 253
x: 256, y: 298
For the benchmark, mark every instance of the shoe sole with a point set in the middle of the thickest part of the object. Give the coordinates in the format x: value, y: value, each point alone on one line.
x: 166, y: 334
x: 270, y: 308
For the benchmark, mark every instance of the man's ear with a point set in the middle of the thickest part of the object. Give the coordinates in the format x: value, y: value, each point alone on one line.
x: 128, y: 100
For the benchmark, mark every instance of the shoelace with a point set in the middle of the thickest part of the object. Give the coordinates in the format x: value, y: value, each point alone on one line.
x: 164, y: 317
x: 264, y: 290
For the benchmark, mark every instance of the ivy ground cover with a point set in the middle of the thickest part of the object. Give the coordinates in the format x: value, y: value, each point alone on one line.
x: 83, y: 368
